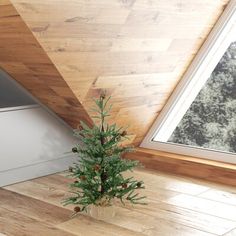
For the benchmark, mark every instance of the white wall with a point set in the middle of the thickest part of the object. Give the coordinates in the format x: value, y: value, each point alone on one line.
x: 33, y: 143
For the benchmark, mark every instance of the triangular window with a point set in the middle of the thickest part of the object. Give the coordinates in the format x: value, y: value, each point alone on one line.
x: 210, y: 122
x: 199, y: 119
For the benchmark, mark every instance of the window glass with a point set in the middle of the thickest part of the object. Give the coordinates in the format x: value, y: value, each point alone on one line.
x: 210, y: 122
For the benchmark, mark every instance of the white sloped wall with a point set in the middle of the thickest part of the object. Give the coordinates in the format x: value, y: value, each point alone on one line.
x: 33, y: 143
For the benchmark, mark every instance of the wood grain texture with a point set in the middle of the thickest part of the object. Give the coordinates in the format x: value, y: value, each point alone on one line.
x: 16, y: 224
x: 185, y: 165
x: 135, y: 49
x: 24, y: 59
x: 176, y: 206
x: 41, y: 211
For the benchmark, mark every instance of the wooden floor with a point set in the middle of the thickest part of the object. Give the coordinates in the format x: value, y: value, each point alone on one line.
x: 177, y: 206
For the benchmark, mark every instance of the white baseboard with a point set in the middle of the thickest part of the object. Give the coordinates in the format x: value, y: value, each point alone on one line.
x: 36, y: 170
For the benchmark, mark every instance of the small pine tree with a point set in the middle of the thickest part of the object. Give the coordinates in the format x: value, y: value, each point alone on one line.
x: 98, y: 172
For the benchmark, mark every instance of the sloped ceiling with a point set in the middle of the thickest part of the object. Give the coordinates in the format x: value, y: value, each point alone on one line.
x: 135, y: 49
x: 23, y: 58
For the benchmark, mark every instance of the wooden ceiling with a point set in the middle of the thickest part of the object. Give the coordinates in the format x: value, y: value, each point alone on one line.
x: 23, y: 58
x: 135, y: 49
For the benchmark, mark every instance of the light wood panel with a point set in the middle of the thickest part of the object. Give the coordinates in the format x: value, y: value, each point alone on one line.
x: 39, y: 210
x: 24, y: 59
x: 214, y: 208
x: 16, y: 224
x: 186, y: 165
x: 34, y: 208
x: 221, y: 196
x: 135, y: 49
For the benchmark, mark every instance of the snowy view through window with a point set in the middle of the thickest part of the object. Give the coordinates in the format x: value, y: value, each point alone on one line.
x: 210, y: 122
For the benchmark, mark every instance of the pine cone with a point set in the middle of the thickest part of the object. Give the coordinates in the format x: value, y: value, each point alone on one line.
x: 74, y: 150
x: 103, y: 95
x: 139, y: 184
x: 105, y: 176
x: 124, y: 185
x: 80, y: 127
x: 97, y: 167
x: 124, y: 133
x: 76, y: 182
x: 77, y: 209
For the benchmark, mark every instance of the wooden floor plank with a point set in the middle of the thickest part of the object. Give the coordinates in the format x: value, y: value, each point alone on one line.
x: 220, y: 196
x: 191, y: 218
x: 55, y: 181
x: 177, y: 206
x: 210, y: 207
x: 15, y: 224
x: 134, y: 224
x: 34, y: 208
x: 41, y: 192
x: 88, y: 226
x: 151, y: 226
x: 169, y: 183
